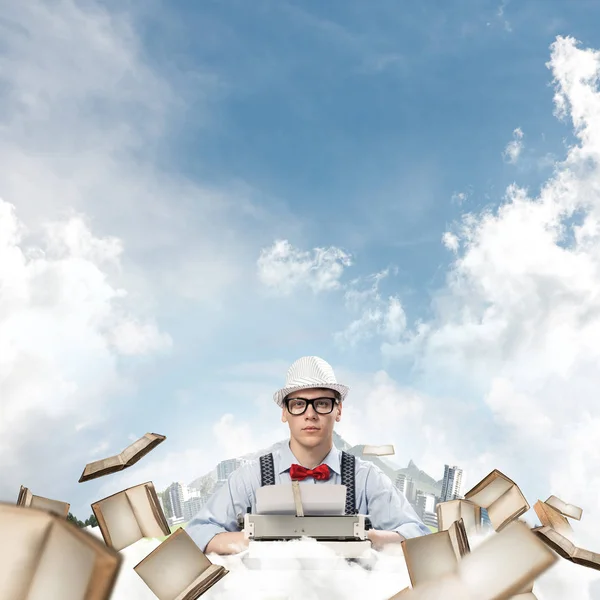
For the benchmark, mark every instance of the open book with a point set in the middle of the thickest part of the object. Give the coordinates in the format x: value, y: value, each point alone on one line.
x: 125, y: 459
x: 568, y: 510
x: 566, y: 548
x: 501, y: 567
x: 178, y: 569
x: 130, y: 515
x: 432, y: 556
x: 27, y: 499
x: 501, y: 497
x: 44, y: 556
x: 550, y: 517
x: 450, y: 511
x: 385, y: 450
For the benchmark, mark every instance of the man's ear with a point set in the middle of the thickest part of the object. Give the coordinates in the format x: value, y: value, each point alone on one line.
x: 339, y: 412
x: 283, y: 415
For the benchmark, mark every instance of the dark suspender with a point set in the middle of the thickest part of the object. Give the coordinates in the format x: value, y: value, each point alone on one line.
x: 267, y: 470
x: 348, y: 472
x: 267, y: 477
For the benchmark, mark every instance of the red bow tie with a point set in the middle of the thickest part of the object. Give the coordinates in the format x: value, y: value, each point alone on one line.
x: 299, y: 472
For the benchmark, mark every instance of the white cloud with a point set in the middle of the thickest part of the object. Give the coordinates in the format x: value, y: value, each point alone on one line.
x: 63, y: 327
x: 450, y: 240
x: 285, y: 269
x: 517, y: 327
x: 340, y: 582
x: 515, y: 147
x: 377, y: 316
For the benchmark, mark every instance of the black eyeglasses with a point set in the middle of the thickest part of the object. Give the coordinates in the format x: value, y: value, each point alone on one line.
x: 298, y: 406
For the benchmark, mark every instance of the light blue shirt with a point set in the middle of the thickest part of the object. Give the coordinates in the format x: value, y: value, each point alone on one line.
x: 376, y: 497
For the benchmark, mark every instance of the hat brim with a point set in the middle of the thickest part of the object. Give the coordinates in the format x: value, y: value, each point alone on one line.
x: 280, y: 395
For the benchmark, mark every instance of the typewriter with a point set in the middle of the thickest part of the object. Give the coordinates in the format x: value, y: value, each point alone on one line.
x: 281, y: 517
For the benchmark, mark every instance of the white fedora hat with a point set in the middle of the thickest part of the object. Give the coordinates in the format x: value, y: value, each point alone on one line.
x: 309, y: 372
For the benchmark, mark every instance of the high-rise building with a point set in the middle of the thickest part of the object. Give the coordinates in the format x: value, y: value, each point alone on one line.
x: 226, y: 467
x: 485, y: 519
x: 410, y: 491
x: 192, y: 506
x: 177, y: 494
x: 401, y: 482
x: 451, y: 483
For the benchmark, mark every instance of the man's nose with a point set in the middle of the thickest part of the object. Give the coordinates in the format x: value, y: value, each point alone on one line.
x: 311, y: 412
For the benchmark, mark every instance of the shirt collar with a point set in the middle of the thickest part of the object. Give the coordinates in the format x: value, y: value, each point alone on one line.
x: 287, y: 458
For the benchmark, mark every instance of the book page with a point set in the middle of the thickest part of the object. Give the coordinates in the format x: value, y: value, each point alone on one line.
x: 142, y: 509
x: 453, y: 510
x: 447, y: 513
x: 586, y: 558
x: 385, y: 450
x: 54, y: 506
x: 112, y: 462
x: 491, y: 489
x: 559, y: 543
x: 507, y: 507
x: 23, y: 534
x: 25, y: 496
x: 458, y: 537
x: 120, y: 521
x: 140, y: 448
x: 65, y: 568
x: 568, y: 510
x: 505, y: 562
x: 429, y: 557
x: 316, y: 499
x: 550, y: 517
x: 173, y: 566
x: 446, y: 588
x: 213, y: 574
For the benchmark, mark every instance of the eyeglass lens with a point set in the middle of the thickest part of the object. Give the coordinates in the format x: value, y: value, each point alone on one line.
x: 321, y: 405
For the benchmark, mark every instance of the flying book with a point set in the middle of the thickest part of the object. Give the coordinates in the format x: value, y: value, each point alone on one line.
x: 499, y: 568
x: 501, y: 497
x: 130, y: 515
x: 568, y: 510
x: 123, y: 460
x: 178, y: 569
x: 45, y: 556
x: 566, y: 548
x: 450, y: 511
x: 550, y: 517
x: 432, y: 556
x: 385, y: 450
x: 27, y: 499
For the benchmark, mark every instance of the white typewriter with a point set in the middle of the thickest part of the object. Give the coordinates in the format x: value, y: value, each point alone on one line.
x: 305, y: 512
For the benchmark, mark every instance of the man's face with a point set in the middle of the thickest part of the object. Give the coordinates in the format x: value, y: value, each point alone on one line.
x: 311, y: 428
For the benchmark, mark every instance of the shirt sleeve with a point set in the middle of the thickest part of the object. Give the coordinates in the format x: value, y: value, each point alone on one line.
x: 388, y: 508
x: 220, y: 513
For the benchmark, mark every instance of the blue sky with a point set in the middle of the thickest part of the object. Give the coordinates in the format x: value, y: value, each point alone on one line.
x: 198, y: 134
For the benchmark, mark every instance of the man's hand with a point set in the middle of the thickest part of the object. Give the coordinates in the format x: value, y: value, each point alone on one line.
x: 380, y: 539
x: 229, y: 542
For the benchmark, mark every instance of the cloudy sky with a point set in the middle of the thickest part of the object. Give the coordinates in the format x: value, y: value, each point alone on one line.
x: 195, y: 194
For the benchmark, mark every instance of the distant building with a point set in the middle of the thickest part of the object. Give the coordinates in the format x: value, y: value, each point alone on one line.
x: 401, y: 482
x: 430, y: 519
x: 192, y: 506
x: 177, y: 493
x: 424, y: 503
x: 451, y: 483
x: 410, y: 491
x: 226, y: 467
x: 485, y: 519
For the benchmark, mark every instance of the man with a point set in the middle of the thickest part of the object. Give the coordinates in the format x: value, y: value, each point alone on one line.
x: 311, y: 404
